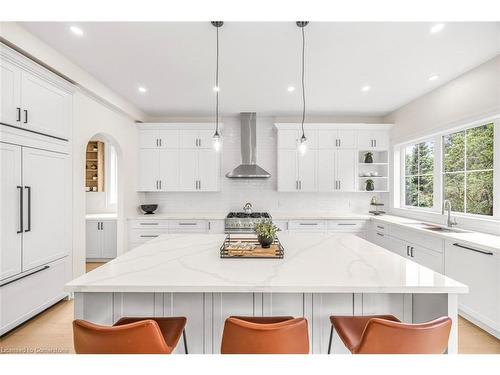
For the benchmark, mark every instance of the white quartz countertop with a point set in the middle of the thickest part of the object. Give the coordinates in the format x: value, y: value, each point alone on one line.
x: 485, y: 240
x: 101, y: 216
x: 336, y: 263
x: 274, y: 215
x: 181, y: 216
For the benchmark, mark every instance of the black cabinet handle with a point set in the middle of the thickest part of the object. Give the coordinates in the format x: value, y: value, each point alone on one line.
x: 380, y: 234
x: 346, y: 224
x: 308, y: 223
x: 25, y: 275
x: 380, y: 227
x: 187, y: 223
x: 407, y: 250
x: 411, y: 252
x: 29, y: 208
x: 21, y: 213
x: 18, y: 118
x: 148, y: 223
x: 472, y: 249
x: 25, y: 116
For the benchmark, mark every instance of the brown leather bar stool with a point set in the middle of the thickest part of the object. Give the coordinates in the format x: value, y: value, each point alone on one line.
x: 265, y: 335
x: 385, y: 334
x: 130, y: 336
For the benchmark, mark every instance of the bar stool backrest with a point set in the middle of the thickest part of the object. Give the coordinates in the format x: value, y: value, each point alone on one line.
x: 243, y: 337
x: 143, y: 337
x: 387, y: 337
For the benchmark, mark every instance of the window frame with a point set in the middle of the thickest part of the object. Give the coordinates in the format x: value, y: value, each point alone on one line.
x: 438, y: 182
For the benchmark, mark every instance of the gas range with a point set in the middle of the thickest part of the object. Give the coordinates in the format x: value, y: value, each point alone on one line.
x: 241, y: 222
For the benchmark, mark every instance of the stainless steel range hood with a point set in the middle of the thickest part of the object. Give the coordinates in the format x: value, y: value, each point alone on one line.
x: 248, y: 167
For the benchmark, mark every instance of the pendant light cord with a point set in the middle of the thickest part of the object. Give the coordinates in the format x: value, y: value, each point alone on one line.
x: 217, y: 87
x: 303, y: 85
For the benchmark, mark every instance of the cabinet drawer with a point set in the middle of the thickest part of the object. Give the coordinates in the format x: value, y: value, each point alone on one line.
x: 347, y: 225
x: 409, y: 235
x: 142, y: 236
x: 187, y: 226
x: 26, y: 297
x: 379, y: 227
x: 148, y: 224
x: 307, y: 225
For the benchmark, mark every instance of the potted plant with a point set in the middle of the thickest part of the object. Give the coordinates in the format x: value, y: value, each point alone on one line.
x: 369, y: 157
x: 370, y: 186
x: 266, y: 233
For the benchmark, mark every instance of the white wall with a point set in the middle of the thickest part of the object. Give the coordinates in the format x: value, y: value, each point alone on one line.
x: 471, y: 96
x: 90, y: 118
x: 261, y: 193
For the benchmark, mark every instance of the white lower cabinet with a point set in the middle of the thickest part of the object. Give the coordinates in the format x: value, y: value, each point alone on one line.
x: 100, y: 239
x: 479, y: 269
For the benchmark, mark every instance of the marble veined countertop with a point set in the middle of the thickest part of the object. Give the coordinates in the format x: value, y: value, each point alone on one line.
x: 335, y: 263
x: 101, y: 216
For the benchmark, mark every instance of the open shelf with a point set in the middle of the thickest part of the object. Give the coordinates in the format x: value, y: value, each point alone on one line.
x: 94, y: 163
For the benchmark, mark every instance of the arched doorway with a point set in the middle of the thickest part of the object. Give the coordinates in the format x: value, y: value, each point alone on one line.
x: 102, y: 200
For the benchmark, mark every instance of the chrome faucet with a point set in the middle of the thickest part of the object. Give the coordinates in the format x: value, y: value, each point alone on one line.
x: 447, y: 207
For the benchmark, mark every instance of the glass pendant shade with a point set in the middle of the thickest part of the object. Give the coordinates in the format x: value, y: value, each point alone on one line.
x: 217, y: 141
x: 302, y: 146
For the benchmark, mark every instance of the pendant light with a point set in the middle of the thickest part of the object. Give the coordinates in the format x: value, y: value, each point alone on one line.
x: 217, y: 139
x: 302, y: 144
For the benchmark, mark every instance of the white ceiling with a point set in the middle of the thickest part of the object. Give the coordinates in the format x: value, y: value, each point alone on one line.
x: 258, y: 61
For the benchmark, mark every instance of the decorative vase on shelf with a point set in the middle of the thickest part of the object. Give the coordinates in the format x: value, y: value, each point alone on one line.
x: 369, y: 157
x: 265, y: 242
x: 370, y: 186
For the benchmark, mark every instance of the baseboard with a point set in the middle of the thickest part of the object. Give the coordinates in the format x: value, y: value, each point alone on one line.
x: 480, y: 324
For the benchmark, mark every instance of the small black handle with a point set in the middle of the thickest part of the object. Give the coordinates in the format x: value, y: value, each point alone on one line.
x: 25, y: 116
x: 18, y: 118
x: 29, y: 208
x: 472, y: 249
x: 346, y: 224
x: 380, y: 234
x: 21, y: 213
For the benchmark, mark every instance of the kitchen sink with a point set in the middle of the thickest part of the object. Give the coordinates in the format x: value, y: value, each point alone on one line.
x: 437, y: 228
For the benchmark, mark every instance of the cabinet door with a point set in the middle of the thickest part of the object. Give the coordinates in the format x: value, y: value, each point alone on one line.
x: 327, y: 139
x: 428, y: 258
x: 188, y: 170
x: 189, y: 138
x: 93, y: 246
x: 10, y: 210
x: 395, y: 245
x: 205, y: 138
x: 287, y: 170
x: 10, y: 83
x: 307, y: 171
x: 208, y: 167
x: 47, y: 191
x: 169, y: 139
x: 288, y: 139
x: 108, y: 239
x: 169, y: 170
x: 326, y: 170
x: 149, y: 139
x: 346, y: 139
x: 381, y: 139
x: 47, y: 107
x: 365, y: 140
x: 346, y: 169
x: 481, y: 273
x: 149, y: 170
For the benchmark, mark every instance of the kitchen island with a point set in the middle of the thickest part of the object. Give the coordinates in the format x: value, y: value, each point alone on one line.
x: 320, y: 275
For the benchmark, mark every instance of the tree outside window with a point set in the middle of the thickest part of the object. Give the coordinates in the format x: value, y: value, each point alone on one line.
x: 468, y: 170
x: 419, y: 175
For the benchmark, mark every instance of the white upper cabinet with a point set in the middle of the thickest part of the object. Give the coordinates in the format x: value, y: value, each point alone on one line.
x: 196, y: 138
x: 33, y: 98
x: 330, y: 163
x: 10, y: 90
x: 178, y: 157
x: 168, y: 139
x: 373, y: 139
x: 336, y: 139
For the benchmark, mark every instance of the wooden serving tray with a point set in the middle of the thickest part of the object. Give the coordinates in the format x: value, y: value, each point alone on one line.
x: 227, y: 250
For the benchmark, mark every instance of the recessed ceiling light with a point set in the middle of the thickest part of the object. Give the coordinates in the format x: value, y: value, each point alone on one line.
x: 216, y: 88
x: 290, y: 88
x: 433, y: 77
x: 437, y: 28
x: 76, y: 30
x: 142, y: 89
x: 366, y: 88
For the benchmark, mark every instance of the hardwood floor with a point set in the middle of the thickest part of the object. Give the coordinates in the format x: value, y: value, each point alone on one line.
x: 51, y: 332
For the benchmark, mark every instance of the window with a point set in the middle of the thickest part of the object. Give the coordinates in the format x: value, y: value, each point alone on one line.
x: 419, y: 174
x: 468, y: 170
